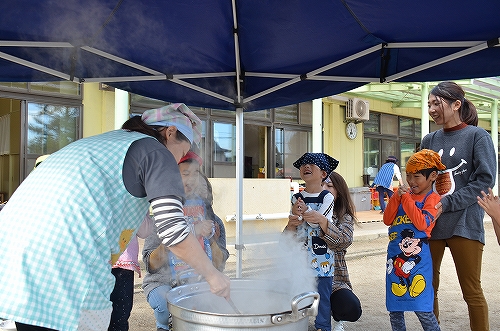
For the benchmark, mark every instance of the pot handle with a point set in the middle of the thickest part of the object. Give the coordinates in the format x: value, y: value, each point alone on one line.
x: 297, y: 314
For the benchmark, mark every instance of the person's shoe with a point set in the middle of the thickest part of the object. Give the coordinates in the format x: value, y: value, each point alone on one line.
x: 339, y: 326
x: 381, y: 211
x: 7, y: 325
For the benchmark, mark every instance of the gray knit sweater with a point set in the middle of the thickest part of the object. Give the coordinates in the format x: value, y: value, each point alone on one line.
x: 470, y: 155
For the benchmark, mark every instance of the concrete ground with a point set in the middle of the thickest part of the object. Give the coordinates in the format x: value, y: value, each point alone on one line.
x: 366, y: 260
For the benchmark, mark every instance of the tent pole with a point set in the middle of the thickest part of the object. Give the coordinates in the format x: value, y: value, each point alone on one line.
x: 424, y: 122
x: 494, y: 136
x: 239, y: 191
x: 317, y: 125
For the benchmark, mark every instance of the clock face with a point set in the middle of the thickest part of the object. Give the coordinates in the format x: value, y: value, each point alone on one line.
x: 351, y: 130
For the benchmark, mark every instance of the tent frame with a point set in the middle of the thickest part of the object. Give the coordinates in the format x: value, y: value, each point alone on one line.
x: 238, y: 101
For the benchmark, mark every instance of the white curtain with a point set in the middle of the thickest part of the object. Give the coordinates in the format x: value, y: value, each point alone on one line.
x: 5, y: 134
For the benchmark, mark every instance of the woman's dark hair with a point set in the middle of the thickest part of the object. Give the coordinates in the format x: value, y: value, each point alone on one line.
x: 451, y: 92
x: 137, y: 125
x: 343, y: 202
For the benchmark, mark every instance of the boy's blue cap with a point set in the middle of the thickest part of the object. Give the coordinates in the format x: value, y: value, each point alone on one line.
x: 323, y: 161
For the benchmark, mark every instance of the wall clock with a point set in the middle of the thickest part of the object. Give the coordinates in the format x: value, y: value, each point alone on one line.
x: 351, y: 130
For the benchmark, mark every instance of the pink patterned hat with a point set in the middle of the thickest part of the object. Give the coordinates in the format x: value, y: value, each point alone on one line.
x: 178, y: 115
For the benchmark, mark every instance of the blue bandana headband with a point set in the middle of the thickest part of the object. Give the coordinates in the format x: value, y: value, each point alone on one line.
x: 324, y: 161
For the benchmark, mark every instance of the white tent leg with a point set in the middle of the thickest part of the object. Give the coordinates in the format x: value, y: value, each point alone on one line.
x: 239, y: 191
x: 424, y: 123
x: 494, y: 135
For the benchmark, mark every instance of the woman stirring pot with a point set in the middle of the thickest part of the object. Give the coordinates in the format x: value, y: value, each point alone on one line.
x: 71, y: 218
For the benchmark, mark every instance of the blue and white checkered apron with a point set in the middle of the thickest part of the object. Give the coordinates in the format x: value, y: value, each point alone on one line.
x: 59, y: 229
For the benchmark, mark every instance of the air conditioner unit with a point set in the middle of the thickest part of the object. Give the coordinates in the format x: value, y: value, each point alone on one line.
x: 357, y: 110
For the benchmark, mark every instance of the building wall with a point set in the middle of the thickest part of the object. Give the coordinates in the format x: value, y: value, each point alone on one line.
x: 98, y: 110
x: 348, y: 152
x: 10, y: 164
x: 260, y: 196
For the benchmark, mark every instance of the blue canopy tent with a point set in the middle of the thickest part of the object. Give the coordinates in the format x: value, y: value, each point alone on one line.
x: 247, y: 55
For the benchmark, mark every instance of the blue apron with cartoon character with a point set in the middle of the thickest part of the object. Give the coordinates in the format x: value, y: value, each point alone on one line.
x: 409, y: 266
x: 320, y: 256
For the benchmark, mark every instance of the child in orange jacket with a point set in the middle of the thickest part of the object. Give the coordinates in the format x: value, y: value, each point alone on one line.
x: 411, y: 215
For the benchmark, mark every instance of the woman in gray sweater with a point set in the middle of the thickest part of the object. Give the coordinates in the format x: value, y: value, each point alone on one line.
x: 470, y: 159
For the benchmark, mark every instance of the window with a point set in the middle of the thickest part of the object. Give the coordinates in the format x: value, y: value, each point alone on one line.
x: 388, y: 124
x: 287, y: 114
x: 371, y: 157
x: 51, y: 127
x: 373, y: 124
x: 385, y: 135
x: 406, y: 127
x: 407, y: 149
x: 56, y: 88
x: 224, y: 142
x: 268, y: 151
x: 410, y: 127
x: 63, y: 87
x: 290, y: 145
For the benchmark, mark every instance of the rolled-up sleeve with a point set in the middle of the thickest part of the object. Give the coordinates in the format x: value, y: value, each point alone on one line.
x: 169, y: 220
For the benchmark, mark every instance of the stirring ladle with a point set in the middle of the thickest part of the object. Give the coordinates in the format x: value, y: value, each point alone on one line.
x: 231, y: 303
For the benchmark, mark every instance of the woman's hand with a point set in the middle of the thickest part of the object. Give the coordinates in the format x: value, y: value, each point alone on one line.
x: 293, y: 222
x: 439, y: 208
x: 313, y: 217
x: 220, y: 284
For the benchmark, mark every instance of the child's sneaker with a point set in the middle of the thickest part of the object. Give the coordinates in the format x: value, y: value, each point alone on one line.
x: 339, y: 326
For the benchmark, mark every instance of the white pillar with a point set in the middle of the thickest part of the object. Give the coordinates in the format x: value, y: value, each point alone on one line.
x: 317, y: 126
x: 494, y: 136
x: 121, y: 107
x: 239, y: 191
x: 424, y: 122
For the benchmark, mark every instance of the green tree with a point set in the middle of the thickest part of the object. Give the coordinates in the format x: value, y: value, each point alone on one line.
x: 51, y: 127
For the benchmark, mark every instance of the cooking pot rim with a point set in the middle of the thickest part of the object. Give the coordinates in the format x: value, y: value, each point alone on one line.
x: 195, y: 289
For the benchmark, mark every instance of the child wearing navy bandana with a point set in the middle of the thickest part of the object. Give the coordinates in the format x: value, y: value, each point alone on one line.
x: 314, y: 169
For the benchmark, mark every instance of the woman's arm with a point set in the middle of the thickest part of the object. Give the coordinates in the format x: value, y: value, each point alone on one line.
x: 176, y: 235
x: 483, y: 170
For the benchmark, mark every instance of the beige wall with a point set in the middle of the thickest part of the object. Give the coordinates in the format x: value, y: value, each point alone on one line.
x: 264, y: 196
x: 348, y: 152
x: 98, y: 110
x: 9, y: 164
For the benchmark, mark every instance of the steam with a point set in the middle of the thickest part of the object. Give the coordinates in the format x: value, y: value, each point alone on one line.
x: 274, y: 273
x: 288, y: 263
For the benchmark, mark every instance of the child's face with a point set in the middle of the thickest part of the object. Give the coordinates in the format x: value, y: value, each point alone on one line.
x: 311, y: 172
x: 190, y: 174
x: 419, y: 184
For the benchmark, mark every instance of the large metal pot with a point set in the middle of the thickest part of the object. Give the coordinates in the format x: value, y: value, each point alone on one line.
x: 264, y: 305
